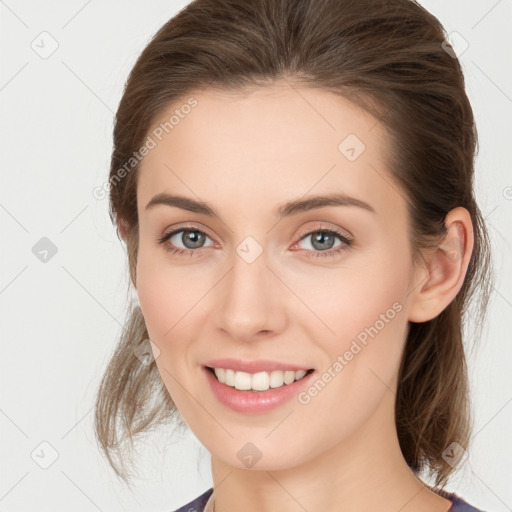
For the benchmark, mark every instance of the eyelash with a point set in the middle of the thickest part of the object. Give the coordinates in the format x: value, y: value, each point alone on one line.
x: 347, y: 242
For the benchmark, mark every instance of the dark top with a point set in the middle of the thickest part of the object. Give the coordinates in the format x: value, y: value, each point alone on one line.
x: 458, y: 504
x: 198, y: 504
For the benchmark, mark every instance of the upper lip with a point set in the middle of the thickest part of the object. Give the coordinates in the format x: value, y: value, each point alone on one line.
x: 260, y: 365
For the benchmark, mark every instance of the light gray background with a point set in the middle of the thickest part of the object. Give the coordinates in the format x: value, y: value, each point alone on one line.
x: 61, y: 319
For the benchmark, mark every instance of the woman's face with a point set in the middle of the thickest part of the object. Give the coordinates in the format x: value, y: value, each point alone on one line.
x: 262, y: 281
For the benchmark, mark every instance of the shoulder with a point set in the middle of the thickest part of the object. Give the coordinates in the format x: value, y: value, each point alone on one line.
x: 198, y: 504
x: 458, y: 503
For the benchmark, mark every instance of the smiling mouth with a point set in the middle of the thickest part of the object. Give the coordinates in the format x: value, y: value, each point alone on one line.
x: 260, y: 381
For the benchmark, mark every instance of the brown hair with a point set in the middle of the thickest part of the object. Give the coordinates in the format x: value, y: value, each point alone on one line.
x: 387, y: 56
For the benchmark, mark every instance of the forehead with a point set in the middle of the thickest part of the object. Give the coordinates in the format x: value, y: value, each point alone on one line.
x: 273, y: 143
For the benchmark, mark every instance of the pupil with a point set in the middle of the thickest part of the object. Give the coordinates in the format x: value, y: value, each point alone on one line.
x: 194, y: 237
x: 323, y: 237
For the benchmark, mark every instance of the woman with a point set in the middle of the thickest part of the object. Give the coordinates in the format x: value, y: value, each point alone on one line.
x: 293, y: 180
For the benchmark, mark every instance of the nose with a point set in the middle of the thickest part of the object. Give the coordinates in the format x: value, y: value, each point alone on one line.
x: 251, y: 300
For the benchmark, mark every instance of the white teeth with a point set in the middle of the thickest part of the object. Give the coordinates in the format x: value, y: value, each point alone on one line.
x: 242, y: 380
x: 220, y: 374
x: 276, y: 379
x: 289, y: 377
x: 229, y: 377
x: 260, y: 381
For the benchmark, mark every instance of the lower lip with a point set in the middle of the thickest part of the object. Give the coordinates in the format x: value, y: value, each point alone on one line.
x: 250, y: 402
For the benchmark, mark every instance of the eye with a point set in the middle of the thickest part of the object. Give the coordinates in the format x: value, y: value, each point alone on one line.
x: 192, y: 238
x: 322, y: 242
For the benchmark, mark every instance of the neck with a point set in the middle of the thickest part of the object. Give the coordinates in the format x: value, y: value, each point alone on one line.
x: 365, y: 472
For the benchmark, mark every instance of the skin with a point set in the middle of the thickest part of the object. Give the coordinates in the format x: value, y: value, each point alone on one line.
x: 245, y: 154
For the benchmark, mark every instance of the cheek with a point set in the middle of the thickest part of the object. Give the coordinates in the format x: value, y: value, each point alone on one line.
x: 166, y: 301
x: 368, y: 317
x: 173, y: 300
x: 368, y: 289
x: 370, y: 309
x: 362, y: 309
x: 166, y: 292
x: 153, y: 299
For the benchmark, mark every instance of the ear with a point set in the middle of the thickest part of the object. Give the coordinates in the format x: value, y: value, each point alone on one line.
x: 122, y: 229
x: 441, y: 278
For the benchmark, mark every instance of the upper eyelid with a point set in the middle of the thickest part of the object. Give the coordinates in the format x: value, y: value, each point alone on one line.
x: 323, y: 227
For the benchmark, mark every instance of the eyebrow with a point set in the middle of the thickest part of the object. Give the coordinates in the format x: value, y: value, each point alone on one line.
x: 292, y: 207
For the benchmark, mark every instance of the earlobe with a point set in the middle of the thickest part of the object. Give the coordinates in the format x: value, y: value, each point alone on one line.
x: 446, y: 268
